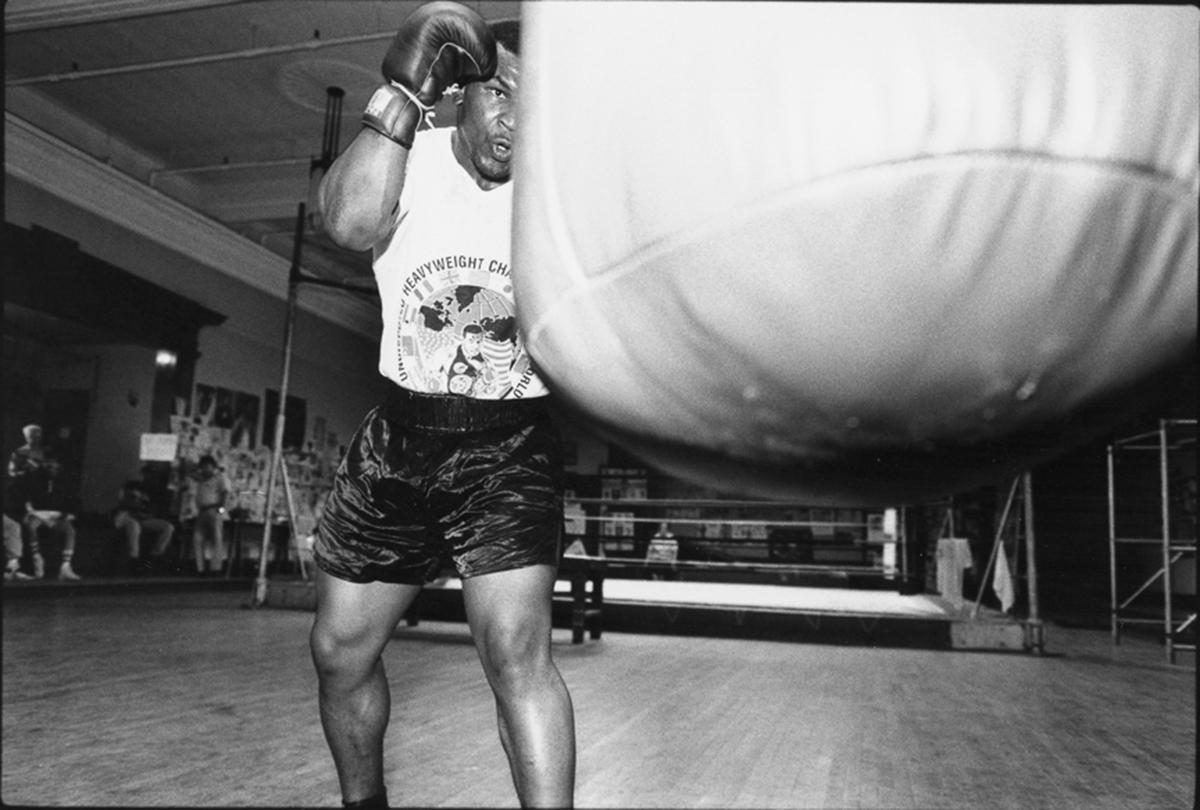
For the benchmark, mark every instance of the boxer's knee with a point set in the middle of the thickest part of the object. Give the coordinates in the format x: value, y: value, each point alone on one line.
x: 515, y: 657
x: 341, y: 654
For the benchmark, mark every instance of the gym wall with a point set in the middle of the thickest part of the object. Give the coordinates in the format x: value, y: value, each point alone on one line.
x: 333, y: 368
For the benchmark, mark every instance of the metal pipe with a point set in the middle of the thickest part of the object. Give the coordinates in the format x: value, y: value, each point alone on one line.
x: 997, y: 545
x: 1112, y: 547
x: 1129, y: 600
x: 1167, y: 562
x: 259, y: 596
x: 192, y: 61
x: 291, y: 507
x: 333, y: 125
x: 1138, y: 437
x: 1037, y: 642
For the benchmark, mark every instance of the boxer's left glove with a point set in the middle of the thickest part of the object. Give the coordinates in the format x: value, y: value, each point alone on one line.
x: 438, y: 45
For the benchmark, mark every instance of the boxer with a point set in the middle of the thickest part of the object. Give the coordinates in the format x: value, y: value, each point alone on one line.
x: 461, y: 465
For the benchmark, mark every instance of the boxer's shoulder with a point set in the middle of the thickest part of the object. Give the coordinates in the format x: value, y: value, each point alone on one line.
x: 431, y: 147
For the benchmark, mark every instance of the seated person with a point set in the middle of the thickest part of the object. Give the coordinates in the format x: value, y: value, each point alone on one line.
x: 14, y: 547
x: 133, y: 516
x: 32, y: 500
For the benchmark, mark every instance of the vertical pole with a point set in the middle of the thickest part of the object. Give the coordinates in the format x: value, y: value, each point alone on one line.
x: 291, y: 507
x: 1112, y: 545
x: 1036, y: 630
x: 1165, y: 494
x: 259, y: 597
x: 997, y: 545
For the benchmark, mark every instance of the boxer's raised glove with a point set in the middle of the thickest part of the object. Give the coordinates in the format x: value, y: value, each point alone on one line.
x: 438, y: 45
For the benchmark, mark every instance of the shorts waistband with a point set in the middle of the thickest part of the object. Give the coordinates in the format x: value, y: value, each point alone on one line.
x: 448, y: 413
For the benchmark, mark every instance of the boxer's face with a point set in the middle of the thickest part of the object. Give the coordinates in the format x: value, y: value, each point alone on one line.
x: 487, y: 124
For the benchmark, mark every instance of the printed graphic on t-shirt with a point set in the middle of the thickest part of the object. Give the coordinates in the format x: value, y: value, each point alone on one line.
x: 458, y: 330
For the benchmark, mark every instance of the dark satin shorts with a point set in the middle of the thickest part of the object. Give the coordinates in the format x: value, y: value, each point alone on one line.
x: 431, y: 479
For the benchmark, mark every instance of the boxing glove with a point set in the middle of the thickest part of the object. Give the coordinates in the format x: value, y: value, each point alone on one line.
x: 438, y: 45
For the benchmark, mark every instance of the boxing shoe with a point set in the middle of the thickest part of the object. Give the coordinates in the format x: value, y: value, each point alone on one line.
x: 67, y: 574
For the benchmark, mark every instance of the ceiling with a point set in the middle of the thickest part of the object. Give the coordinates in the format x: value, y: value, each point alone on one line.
x: 219, y: 104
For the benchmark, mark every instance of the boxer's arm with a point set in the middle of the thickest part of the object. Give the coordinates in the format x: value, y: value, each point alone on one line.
x: 360, y: 193
x: 439, y: 44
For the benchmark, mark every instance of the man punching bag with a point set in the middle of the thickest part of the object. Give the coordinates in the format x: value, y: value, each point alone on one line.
x: 855, y: 253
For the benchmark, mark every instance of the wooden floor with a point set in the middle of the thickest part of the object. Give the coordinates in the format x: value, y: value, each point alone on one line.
x: 189, y: 699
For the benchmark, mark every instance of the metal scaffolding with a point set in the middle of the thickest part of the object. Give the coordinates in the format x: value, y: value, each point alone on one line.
x: 1176, y: 539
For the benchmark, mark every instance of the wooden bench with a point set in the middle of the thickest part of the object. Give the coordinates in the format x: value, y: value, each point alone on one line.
x: 586, y: 613
x: 587, y: 610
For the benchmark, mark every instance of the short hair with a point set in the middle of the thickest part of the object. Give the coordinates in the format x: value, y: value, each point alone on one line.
x: 508, y: 34
x: 207, y: 460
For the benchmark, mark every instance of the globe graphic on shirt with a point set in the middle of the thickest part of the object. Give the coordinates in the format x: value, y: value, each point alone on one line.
x: 467, y: 339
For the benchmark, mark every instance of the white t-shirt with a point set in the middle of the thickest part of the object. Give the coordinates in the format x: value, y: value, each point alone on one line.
x: 449, y: 322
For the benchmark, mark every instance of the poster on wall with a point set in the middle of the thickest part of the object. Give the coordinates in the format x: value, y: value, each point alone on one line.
x: 293, y: 423
x: 246, y: 465
x: 158, y: 447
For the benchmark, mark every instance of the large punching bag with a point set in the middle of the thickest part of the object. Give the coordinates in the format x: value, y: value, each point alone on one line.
x: 855, y: 253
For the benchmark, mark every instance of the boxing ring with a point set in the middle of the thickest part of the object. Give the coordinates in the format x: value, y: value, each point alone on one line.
x: 765, y: 611
x: 736, y: 596
x: 594, y: 595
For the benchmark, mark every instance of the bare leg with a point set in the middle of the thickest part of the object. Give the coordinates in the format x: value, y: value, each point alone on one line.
x: 352, y: 626
x: 509, y: 614
x: 198, y: 542
x: 218, y: 544
x: 207, y: 538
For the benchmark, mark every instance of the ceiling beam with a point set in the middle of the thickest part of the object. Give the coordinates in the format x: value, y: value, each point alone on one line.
x: 31, y: 15
x: 196, y: 61
x: 45, y: 162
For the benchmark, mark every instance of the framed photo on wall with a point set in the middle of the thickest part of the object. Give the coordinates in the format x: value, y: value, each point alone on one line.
x: 204, y: 409
x: 245, y: 420
x: 294, y: 420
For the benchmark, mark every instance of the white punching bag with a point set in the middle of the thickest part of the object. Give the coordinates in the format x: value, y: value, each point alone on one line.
x: 855, y: 253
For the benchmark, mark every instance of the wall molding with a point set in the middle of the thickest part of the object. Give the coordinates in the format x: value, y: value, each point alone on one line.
x: 54, y: 166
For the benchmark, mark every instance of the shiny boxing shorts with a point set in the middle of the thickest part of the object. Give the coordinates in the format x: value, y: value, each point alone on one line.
x: 429, y: 479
